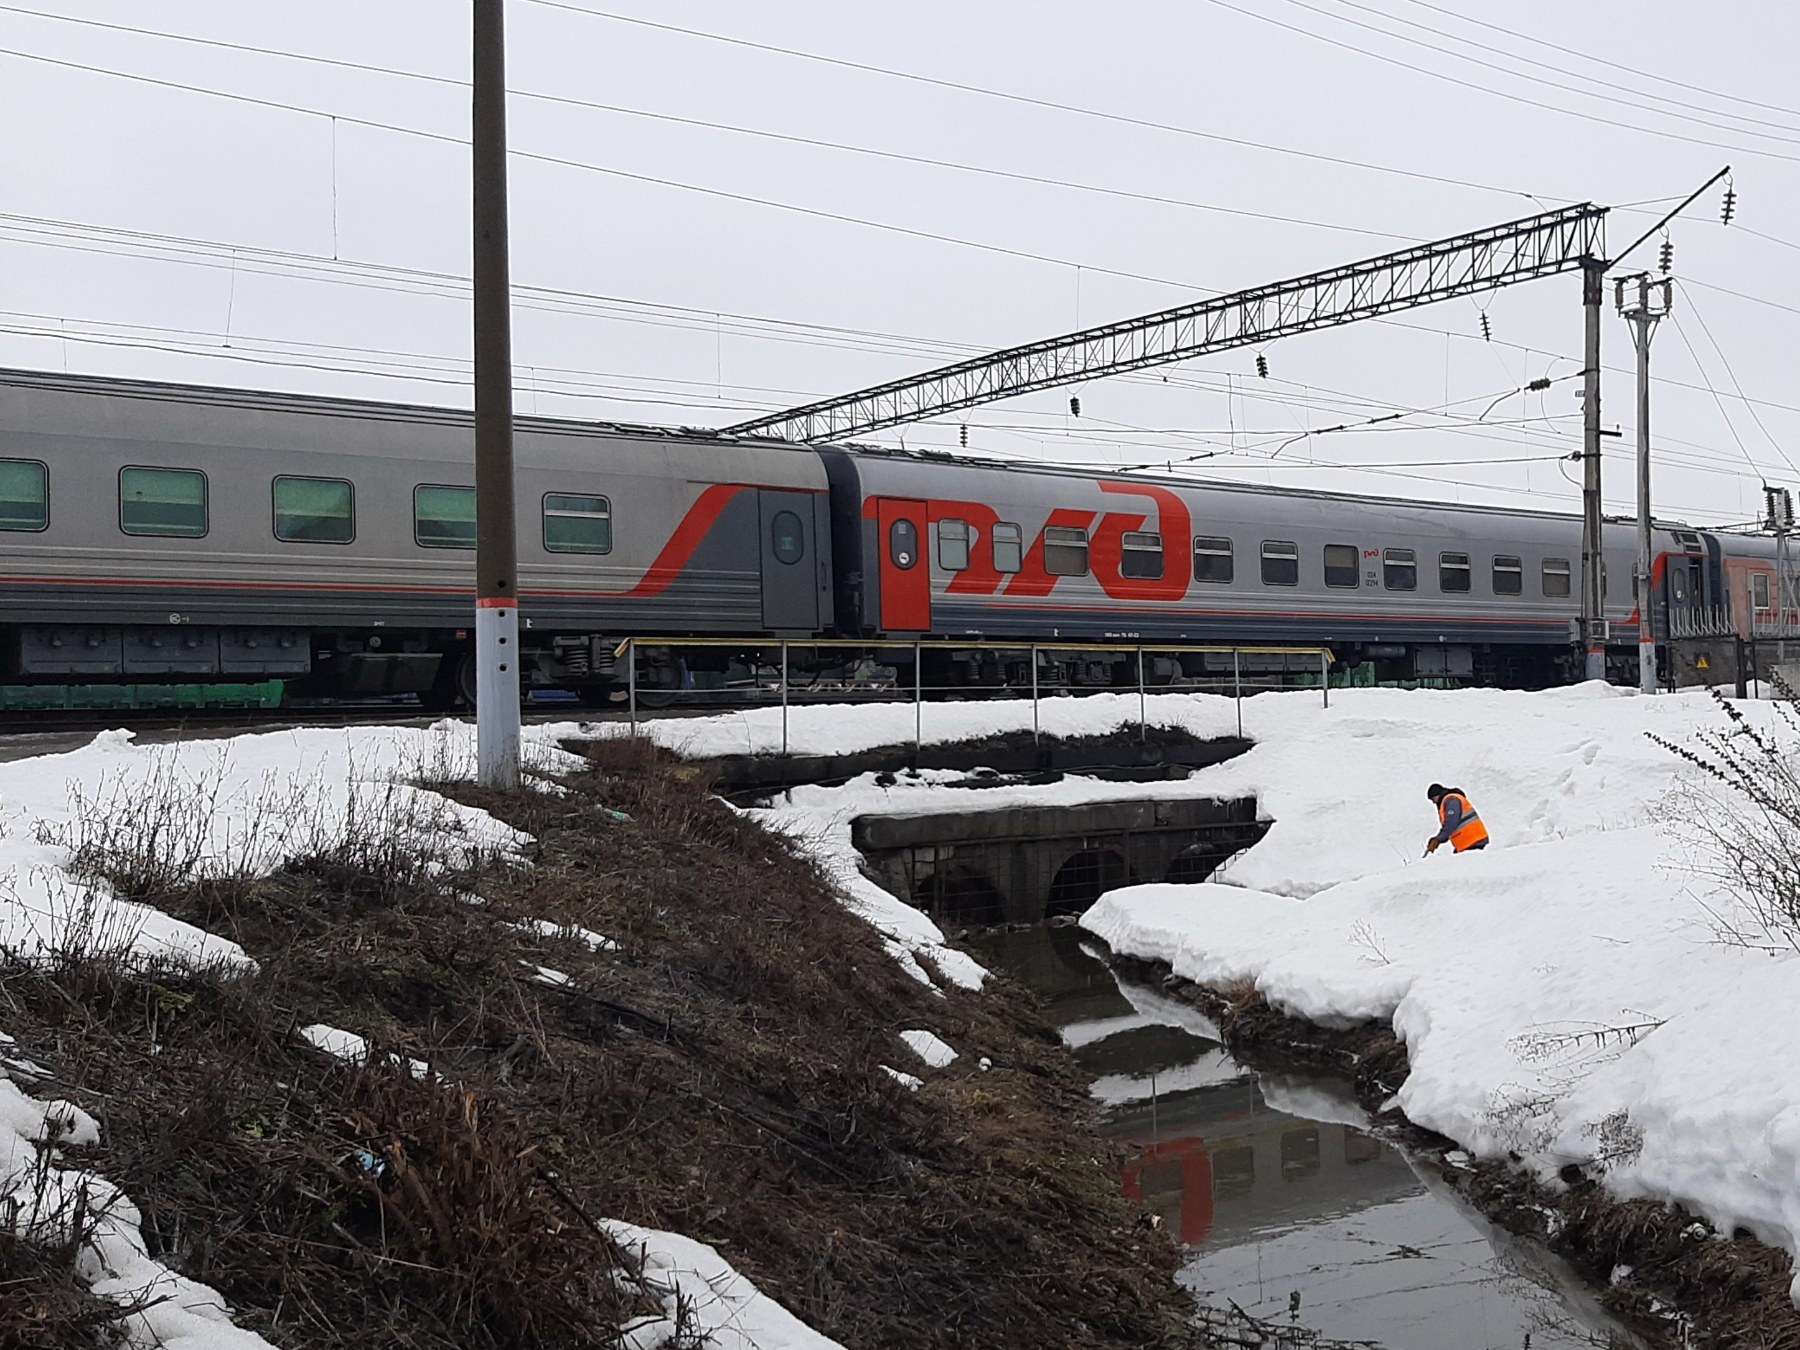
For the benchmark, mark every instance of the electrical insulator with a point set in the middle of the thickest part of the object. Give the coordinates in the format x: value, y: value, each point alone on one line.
x: 1487, y: 328
x: 1262, y: 365
x: 1787, y: 508
x: 1075, y: 407
x: 1667, y: 260
x: 964, y: 435
x: 1540, y: 384
x: 1730, y: 207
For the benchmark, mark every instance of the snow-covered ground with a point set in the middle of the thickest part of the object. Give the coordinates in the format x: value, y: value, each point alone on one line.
x: 1564, y: 994
x: 242, y: 806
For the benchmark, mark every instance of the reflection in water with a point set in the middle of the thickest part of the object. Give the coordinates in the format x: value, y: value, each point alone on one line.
x: 1289, y: 1208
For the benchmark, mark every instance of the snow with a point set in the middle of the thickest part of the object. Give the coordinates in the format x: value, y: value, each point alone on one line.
x: 911, y: 1082
x: 545, y: 928
x: 230, y: 807
x: 241, y: 806
x: 817, y: 821
x: 843, y: 729
x: 704, y: 1296
x: 237, y: 806
x: 1563, y: 994
x: 929, y: 1048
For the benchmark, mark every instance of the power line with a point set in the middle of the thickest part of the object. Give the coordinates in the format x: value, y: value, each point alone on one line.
x: 1480, y: 88
x: 1732, y: 376
x: 1602, y: 61
x: 1535, y: 79
x: 1028, y: 100
x: 732, y: 128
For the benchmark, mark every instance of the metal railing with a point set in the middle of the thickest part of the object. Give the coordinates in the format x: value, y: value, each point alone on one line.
x: 1712, y: 621
x: 1775, y: 623
x: 1252, y: 669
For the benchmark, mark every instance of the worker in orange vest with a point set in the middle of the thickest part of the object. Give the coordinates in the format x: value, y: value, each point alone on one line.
x: 1459, y: 825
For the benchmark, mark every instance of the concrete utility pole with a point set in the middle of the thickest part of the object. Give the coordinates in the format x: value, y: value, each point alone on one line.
x: 1593, y: 605
x: 496, y: 548
x: 1642, y: 301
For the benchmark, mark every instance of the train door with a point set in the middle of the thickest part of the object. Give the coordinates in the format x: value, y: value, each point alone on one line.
x: 905, y: 566
x: 790, y: 584
x: 1685, y: 586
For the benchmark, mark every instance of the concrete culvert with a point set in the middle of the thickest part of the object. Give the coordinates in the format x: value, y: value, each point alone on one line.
x: 960, y: 895
x: 1084, y: 878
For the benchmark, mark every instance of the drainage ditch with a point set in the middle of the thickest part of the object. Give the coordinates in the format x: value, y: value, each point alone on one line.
x: 1285, y: 1201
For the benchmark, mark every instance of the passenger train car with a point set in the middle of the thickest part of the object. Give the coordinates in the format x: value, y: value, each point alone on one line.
x: 161, y: 533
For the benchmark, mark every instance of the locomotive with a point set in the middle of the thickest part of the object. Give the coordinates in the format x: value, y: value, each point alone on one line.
x: 157, y: 534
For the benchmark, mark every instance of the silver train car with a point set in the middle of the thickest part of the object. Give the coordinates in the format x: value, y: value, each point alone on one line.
x: 154, y: 535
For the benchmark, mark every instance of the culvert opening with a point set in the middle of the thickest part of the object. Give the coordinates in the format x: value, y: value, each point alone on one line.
x: 1083, y: 879
x: 960, y: 895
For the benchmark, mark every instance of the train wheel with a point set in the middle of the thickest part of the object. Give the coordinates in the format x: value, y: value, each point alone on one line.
x: 660, y: 680
x: 454, y: 688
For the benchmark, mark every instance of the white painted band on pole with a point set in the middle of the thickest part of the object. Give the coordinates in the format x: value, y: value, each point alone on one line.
x: 497, y: 693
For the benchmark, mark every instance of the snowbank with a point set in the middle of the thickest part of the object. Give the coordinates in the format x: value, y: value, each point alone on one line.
x: 705, y: 1298
x: 1562, y: 994
x: 241, y: 806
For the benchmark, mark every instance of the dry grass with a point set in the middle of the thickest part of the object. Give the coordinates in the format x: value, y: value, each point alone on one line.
x: 716, y: 1073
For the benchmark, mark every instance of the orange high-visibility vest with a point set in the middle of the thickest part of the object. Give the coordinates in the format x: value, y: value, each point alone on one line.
x: 1471, y: 832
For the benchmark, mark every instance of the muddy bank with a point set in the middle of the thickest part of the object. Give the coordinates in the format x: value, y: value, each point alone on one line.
x: 667, y: 1018
x: 1658, y: 1268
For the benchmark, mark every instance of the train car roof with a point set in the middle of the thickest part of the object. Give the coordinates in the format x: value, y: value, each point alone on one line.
x: 1173, y: 480
x: 319, y: 405
x: 331, y: 406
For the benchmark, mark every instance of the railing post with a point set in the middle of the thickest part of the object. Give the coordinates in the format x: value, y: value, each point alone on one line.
x: 1325, y: 674
x: 631, y: 680
x: 1034, y: 697
x: 784, y: 697
x: 918, y: 699
x: 1237, y: 687
x: 1143, y: 715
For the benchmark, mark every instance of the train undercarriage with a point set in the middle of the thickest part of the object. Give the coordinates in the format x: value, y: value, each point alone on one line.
x: 47, y: 666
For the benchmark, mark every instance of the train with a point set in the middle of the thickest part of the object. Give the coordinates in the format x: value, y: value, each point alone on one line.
x: 158, y: 535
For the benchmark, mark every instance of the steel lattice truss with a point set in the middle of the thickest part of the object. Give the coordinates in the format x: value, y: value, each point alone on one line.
x: 1537, y: 246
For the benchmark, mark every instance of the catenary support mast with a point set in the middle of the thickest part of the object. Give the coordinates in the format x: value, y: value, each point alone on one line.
x: 1593, y: 561
x: 1642, y: 301
x: 1536, y: 246
x: 496, y: 548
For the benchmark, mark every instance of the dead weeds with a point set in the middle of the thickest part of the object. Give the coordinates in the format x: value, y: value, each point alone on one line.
x: 668, y: 1019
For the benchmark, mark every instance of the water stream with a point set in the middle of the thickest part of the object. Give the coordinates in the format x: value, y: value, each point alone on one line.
x: 1284, y: 1202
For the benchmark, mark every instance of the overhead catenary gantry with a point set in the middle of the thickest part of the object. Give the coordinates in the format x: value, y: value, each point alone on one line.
x: 1465, y: 264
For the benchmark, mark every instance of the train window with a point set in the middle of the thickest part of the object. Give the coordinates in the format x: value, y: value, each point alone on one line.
x: 1280, y: 563
x: 314, y: 510
x: 444, y: 517
x: 1759, y: 590
x: 24, y: 495
x: 168, y: 502
x: 1341, y: 561
x: 786, y: 538
x: 1141, y: 556
x: 1509, y: 576
x: 1454, y: 573
x: 1400, y: 569
x: 1212, y: 559
x: 575, y: 523
x: 1065, y: 551
x: 1009, y: 547
x: 903, y: 544
x: 953, y: 545
x: 1556, y: 576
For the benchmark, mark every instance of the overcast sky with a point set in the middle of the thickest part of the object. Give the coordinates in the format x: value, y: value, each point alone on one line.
x: 680, y: 256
